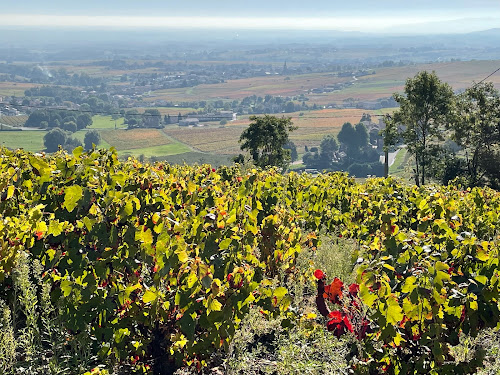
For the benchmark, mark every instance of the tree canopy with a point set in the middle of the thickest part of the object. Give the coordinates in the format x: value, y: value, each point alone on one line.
x: 92, y: 137
x: 425, y: 110
x: 265, y: 139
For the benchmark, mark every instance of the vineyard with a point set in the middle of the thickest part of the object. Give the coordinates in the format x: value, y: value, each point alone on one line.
x: 123, y: 267
x: 14, y: 120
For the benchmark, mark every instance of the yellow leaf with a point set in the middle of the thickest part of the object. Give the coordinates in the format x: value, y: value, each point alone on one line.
x: 214, y: 306
x: 389, y: 267
x: 182, y: 255
x: 10, y: 191
x: 149, y: 296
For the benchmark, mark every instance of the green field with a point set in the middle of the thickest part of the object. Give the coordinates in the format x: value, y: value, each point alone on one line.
x: 80, y: 135
x: 28, y: 140
x: 106, y: 122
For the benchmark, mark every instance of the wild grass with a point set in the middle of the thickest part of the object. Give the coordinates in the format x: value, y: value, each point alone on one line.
x: 33, y: 339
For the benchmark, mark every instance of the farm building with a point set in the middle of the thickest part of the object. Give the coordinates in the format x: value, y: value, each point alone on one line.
x: 190, y: 121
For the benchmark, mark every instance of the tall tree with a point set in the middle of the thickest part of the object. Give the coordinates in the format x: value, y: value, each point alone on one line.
x: 476, y: 130
x: 328, y: 147
x: 83, y: 120
x: 91, y: 137
x: 54, y: 138
x: 425, y: 109
x: 362, y: 137
x: 347, y: 137
x: 152, y: 118
x: 265, y: 138
x: 293, y: 150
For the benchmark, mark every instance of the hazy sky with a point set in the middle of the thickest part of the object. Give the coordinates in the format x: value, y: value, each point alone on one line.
x: 418, y: 16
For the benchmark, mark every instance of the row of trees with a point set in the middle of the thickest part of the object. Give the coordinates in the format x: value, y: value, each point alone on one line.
x: 450, y: 136
x: 267, y: 141
x: 64, y: 119
x: 354, y: 154
x: 59, y: 137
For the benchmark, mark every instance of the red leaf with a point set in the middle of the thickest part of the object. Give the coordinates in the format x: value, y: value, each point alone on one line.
x: 334, y: 290
x: 319, y: 274
x: 354, y: 289
x: 335, y: 317
x: 347, y: 323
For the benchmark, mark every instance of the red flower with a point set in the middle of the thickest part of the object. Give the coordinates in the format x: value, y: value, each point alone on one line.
x: 213, y: 169
x: 39, y: 235
x: 319, y: 274
x: 334, y: 291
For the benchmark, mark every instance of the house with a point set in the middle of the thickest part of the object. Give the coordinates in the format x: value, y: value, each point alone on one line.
x: 217, y: 116
x: 9, y: 111
x: 190, y: 121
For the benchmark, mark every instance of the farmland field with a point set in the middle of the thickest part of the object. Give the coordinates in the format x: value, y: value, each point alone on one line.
x: 311, y: 128
x: 172, y: 111
x: 13, y: 120
x: 28, y: 140
x: 158, y: 151
x: 135, y: 138
x: 260, y: 86
x: 382, y: 84
x: 207, y: 139
x: 105, y: 122
x: 15, y: 88
x: 80, y: 135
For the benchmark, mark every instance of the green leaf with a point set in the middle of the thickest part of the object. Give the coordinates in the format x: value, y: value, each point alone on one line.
x: 77, y: 151
x: 393, y: 312
x: 191, y: 279
x: 66, y: 287
x: 225, y: 244
x: 482, y: 255
x: 367, y: 297
x: 71, y: 197
x: 55, y: 228
x: 481, y: 279
x: 89, y: 223
x: 145, y: 237
x: 149, y: 296
x: 409, y: 284
x: 389, y: 267
x: 120, y: 334
x: 128, y: 208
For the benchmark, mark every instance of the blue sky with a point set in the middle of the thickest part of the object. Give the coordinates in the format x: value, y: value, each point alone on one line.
x: 360, y: 15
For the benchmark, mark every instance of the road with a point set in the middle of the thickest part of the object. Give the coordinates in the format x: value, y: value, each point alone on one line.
x: 392, y: 157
